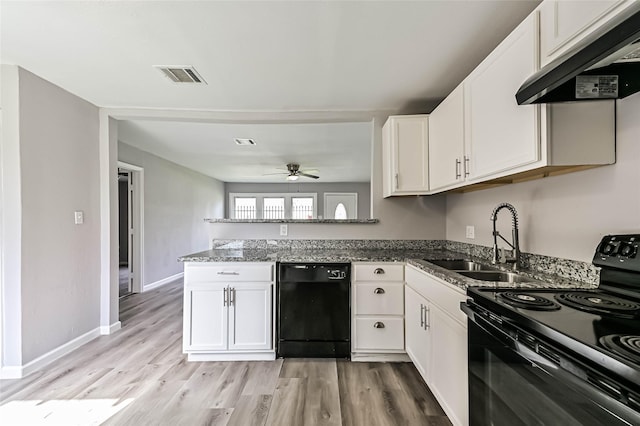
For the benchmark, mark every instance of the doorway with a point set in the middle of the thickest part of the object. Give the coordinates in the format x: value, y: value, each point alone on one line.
x: 130, y: 228
x: 125, y: 193
x: 340, y: 205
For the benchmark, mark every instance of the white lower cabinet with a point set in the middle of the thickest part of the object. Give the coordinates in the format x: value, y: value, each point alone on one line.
x: 225, y: 318
x: 436, y: 340
x: 417, y: 335
x: 377, y: 321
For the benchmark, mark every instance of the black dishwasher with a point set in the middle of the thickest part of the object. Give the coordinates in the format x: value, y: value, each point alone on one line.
x: 313, y: 310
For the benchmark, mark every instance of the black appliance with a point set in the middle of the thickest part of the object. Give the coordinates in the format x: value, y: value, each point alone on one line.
x: 313, y: 310
x: 559, y: 356
x: 605, y: 65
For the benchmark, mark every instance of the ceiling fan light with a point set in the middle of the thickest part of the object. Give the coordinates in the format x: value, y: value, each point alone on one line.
x: 293, y: 177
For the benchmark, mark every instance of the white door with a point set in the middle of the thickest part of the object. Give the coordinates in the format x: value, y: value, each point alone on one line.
x: 417, y: 335
x: 207, y: 320
x: 448, y: 378
x: 340, y: 205
x: 250, y: 316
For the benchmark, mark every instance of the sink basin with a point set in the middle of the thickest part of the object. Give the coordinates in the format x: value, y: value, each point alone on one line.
x: 460, y: 265
x: 504, y: 277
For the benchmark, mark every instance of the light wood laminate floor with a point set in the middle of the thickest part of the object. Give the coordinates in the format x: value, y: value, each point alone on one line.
x: 139, y: 376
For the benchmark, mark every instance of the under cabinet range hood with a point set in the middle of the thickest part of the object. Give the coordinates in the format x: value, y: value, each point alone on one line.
x: 605, y: 65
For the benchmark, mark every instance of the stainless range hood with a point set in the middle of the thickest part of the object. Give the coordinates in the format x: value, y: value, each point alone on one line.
x: 605, y: 65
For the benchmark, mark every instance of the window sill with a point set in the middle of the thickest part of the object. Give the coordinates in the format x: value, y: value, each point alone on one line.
x: 347, y: 221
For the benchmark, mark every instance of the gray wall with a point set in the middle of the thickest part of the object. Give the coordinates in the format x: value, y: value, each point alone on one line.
x: 411, y: 218
x: 564, y: 216
x: 176, y: 200
x: 363, y: 190
x: 59, y: 280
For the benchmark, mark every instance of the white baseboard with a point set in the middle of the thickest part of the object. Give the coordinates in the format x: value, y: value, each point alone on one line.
x: 18, y: 372
x: 238, y: 356
x: 379, y: 357
x: 110, y: 329
x: 163, y: 281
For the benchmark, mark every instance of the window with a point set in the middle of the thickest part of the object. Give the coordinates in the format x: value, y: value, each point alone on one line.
x: 302, y: 208
x: 245, y: 208
x: 273, y: 206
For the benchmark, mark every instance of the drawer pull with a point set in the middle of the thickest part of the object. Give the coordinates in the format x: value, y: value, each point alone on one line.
x: 378, y: 291
x: 378, y: 325
x: 228, y: 273
x: 378, y: 271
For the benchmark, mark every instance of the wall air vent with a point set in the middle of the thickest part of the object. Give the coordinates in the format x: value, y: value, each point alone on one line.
x: 181, y: 73
x: 243, y: 141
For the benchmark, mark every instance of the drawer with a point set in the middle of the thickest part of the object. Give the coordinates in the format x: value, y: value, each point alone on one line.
x: 379, y: 333
x: 444, y: 295
x: 227, y: 272
x: 378, y: 272
x: 379, y: 298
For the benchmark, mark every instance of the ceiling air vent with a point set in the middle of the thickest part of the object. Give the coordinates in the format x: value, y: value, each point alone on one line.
x: 244, y: 141
x: 181, y: 74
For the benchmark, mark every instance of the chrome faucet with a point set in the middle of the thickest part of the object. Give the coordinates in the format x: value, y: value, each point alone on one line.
x: 514, y: 259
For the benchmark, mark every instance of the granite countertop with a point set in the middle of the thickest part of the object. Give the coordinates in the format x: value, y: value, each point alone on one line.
x: 414, y: 257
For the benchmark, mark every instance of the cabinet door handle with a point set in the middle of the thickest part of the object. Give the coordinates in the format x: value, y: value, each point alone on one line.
x: 421, y: 315
x: 378, y: 325
x: 397, y: 181
x: 227, y: 273
x: 466, y: 166
x: 458, y: 175
x: 378, y: 291
x: 378, y: 271
x: 426, y: 318
x: 224, y: 297
x: 232, y: 296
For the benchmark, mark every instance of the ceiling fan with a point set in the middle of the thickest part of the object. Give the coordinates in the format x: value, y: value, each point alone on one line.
x: 294, y: 172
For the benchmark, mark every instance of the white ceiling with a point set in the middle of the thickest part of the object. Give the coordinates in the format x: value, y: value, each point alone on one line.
x: 275, y: 57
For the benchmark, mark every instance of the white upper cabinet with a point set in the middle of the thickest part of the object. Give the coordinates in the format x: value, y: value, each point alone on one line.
x: 405, y: 155
x: 564, y: 23
x: 447, y: 161
x: 501, y: 135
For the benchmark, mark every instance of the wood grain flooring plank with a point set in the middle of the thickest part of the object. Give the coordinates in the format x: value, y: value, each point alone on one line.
x: 251, y: 410
x: 262, y: 377
x: 287, y: 406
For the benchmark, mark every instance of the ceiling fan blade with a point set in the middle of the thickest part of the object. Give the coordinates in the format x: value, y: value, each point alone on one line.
x: 308, y: 175
x: 279, y: 173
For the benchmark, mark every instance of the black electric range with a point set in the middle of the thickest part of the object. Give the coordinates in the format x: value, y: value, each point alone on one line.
x: 589, y: 337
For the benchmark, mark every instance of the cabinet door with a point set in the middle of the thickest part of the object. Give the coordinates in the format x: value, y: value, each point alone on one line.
x: 446, y: 141
x: 250, y: 316
x: 500, y: 134
x: 417, y: 337
x: 206, y: 317
x: 564, y: 23
x: 448, y: 376
x: 407, y: 153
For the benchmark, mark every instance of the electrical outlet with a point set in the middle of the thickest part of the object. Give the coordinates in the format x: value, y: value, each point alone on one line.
x: 471, y: 232
x: 284, y: 230
x: 78, y: 217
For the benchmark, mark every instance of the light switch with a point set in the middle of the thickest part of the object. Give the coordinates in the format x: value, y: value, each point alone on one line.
x: 471, y: 232
x: 78, y: 217
x: 284, y: 230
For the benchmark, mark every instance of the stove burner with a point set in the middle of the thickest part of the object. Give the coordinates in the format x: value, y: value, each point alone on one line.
x: 626, y: 346
x: 600, y: 303
x: 528, y: 301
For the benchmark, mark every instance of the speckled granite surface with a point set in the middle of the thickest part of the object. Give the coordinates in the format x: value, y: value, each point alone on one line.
x: 569, y: 269
x: 551, y: 273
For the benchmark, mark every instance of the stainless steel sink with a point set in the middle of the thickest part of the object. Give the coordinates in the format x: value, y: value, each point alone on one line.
x: 504, y: 277
x: 460, y: 265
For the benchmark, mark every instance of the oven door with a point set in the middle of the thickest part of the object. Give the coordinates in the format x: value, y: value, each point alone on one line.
x: 510, y: 384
